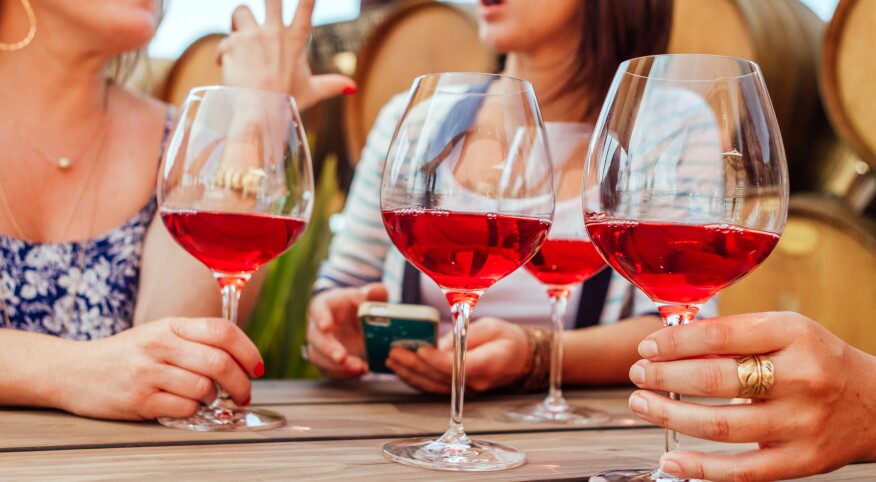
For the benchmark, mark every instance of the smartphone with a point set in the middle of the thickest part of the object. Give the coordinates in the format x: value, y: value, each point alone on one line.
x: 386, y: 326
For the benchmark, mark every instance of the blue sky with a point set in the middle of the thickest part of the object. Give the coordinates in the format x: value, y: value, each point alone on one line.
x: 187, y: 20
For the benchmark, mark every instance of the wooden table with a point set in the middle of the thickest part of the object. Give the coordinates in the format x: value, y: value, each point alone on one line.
x: 334, y: 432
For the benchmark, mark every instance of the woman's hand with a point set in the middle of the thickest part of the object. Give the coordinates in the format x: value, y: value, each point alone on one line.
x: 334, y: 335
x: 818, y: 413
x: 273, y: 56
x: 498, y: 354
x: 164, y: 368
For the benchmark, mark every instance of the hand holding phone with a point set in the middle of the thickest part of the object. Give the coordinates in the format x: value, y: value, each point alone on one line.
x: 386, y: 326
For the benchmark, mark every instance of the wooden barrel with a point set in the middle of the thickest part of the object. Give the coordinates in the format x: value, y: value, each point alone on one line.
x: 417, y: 38
x: 848, y: 77
x: 848, y: 89
x: 784, y: 38
x: 823, y: 267
x: 195, y: 67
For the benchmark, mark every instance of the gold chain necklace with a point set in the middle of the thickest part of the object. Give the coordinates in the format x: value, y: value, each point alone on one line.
x: 83, y: 245
x: 63, y: 163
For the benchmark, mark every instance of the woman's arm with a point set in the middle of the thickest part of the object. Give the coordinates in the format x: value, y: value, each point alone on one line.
x: 33, y: 367
x: 175, y: 283
x: 603, y: 354
x: 165, y: 368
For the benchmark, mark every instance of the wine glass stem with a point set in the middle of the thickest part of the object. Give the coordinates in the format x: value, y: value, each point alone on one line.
x: 461, y: 314
x: 230, y: 297
x: 672, y: 435
x: 675, y: 315
x: 230, y: 286
x: 558, y: 314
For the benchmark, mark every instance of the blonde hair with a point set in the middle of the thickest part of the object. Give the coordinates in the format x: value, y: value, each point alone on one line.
x: 120, y: 68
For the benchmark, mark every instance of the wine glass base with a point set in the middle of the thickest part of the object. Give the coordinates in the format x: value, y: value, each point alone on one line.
x: 565, y: 414
x: 437, y: 455
x: 227, y: 419
x: 637, y: 475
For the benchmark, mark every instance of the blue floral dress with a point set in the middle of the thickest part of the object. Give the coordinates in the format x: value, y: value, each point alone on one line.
x: 82, y: 290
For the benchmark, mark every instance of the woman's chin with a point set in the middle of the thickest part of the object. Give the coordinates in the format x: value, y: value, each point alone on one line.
x: 131, y: 36
x: 498, y: 41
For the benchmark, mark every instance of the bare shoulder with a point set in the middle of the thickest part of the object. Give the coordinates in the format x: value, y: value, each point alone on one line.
x: 146, y: 113
x: 137, y: 130
x: 140, y: 122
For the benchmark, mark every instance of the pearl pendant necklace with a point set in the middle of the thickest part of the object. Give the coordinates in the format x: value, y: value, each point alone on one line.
x: 62, y: 163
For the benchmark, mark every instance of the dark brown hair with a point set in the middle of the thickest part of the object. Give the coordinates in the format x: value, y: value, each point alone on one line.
x: 614, y: 31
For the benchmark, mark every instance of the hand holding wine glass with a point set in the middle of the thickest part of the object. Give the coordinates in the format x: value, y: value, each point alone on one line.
x: 467, y: 196
x: 824, y: 383
x: 235, y: 191
x: 686, y: 189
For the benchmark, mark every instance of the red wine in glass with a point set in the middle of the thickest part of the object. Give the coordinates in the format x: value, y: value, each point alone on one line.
x: 565, y: 262
x: 232, y: 242
x: 680, y: 263
x: 464, y: 251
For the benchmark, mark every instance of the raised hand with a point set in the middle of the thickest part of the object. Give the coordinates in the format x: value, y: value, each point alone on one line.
x: 273, y: 56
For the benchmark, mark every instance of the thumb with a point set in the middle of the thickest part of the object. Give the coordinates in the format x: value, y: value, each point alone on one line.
x: 375, y: 292
x: 330, y: 85
x: 484, y: 330
x: 479, y: 332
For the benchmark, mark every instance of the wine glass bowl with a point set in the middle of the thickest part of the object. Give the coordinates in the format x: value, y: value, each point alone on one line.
x: 686, y: 187
x: 467, y: 197
x: 235, y: 191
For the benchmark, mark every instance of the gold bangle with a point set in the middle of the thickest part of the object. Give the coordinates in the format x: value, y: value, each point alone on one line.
x: 539, y: 370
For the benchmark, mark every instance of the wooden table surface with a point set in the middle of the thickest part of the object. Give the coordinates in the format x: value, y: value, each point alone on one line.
x: 335, y: 432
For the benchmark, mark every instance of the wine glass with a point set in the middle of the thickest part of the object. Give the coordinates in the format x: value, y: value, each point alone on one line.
x: 235, y: 191
x: 567, y: 258
x: 467, y: 197
x: 686, y: 189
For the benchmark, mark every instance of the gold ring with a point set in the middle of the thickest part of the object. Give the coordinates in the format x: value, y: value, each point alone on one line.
x: 756, y: 376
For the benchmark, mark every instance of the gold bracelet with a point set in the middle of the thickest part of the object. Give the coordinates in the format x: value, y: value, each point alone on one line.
x: 539, y: 370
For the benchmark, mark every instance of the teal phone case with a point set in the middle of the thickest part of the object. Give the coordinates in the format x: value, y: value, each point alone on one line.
x: 382, y: 334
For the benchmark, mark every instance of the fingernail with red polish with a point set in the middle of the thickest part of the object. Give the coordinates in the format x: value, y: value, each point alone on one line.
x: 259, y: 370
x: 246, y: 402
x: 349, y: 90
